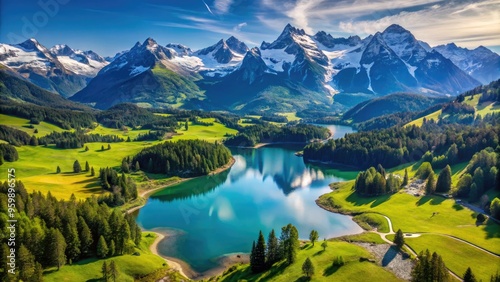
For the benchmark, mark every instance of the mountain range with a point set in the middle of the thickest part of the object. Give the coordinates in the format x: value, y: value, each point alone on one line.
x: 296, y: 71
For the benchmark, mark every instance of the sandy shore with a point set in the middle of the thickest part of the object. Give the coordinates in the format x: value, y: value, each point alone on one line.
x: 185, y: 269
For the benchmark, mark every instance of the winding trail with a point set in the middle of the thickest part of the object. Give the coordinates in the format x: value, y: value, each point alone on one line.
x: 417, y: 234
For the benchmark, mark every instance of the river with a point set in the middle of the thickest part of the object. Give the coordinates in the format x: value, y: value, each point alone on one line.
x: 265, y: 189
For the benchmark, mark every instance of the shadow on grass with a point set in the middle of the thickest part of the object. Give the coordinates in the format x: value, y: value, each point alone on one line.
x: 303, y: 279
x: 318, y: 253
x: 373, y: 201
x: 389, y: 256
x: 492, y: 229
x: 331, y: 270
x: 457, y: 207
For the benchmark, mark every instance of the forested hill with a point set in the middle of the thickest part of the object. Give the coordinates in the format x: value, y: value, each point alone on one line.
x: 479, y: 102
x: 470, y: 123
x: 394, y: 103
x: 14, y: 88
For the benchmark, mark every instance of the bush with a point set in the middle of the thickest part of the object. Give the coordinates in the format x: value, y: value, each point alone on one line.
x: 480, y: 218
x: 338, y: 261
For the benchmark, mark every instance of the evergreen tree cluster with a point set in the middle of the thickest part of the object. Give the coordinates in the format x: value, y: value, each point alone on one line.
x: 373, y: 182
x: 122, y: 188
x: 8, y: 153
x: 397, y: 145
x: 182, y: 158
x: 73, y: 140
x: 262, y: 256
x: 429, y: 268
x: 152, y: 135
x: 14, y: 136
x: 251, y: 135
x: 128, y: 114
x: 64, y: 118
x: 481, y: 175
x: 52, y: 232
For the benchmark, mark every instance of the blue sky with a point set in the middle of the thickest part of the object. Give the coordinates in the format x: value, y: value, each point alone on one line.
x: 108, y: 27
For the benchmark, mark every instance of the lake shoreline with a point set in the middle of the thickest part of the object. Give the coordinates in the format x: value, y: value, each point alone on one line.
x: 146, y: 193
x: 186, y: 270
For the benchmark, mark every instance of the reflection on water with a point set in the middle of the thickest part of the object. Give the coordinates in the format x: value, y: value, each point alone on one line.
x: 219, y: 214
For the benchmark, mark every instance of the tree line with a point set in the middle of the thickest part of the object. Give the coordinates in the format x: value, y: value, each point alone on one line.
x: 181, y: 158
x: 52, y: 232
x: 397, y: 145
x: 123, y: 189
x: 73, y: 140
x: 263, y: 256
x: 263, y: 133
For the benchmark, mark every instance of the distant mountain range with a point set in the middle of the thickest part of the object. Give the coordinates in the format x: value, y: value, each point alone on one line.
x: 296, y: 71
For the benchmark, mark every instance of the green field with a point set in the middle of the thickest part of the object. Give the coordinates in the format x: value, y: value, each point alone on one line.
x: 457, y: 255
x: 23, y: 124
x: 129, y: 266
x: 132, y: 133
x: 292, y: 116
x: 365, y: 237
x: 372, y: 220
x: 420, y: 214
x: 353, y: 270
x: 36, y: 167
x: 418, y: 122
x: 211, y: 133
x: 482, y: 109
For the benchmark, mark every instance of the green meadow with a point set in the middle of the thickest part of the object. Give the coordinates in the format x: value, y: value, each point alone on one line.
x: 458, y: 255
x: 353, y: 270
x: 129, y: 266
x: 23, y: 124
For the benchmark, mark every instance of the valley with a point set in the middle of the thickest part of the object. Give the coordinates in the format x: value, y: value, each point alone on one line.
x: 307, y: 157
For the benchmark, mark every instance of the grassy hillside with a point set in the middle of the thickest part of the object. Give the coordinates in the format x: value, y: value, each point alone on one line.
x: 481, y: 109
x: 210, y: 133
x: 36, y: 167
x: 428, y: 214
x: 353, y: 270
x: 458, y: 257
x: 22, y: 124
x: 394, y: 103
x: 129, y: 266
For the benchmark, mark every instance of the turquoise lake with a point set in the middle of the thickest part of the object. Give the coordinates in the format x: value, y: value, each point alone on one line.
x: 265, y: 189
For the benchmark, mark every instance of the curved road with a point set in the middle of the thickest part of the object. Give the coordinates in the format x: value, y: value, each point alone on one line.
x: 416, y: 234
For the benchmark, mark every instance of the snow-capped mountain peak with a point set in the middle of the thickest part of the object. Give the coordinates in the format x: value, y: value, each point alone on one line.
x: 404, y: 44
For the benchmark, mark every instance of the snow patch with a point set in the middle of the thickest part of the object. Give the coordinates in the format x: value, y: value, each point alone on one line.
x: 138, y: 70
x: 368, y: 68
x: 275, y: 58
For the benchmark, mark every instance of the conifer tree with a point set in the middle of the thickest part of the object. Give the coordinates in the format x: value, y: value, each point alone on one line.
x: 92, y: 172
x: 58, y: 169
x: 76, y: 167
x: 259, y: 255
x: 105, y: 271
x: 102, y: 247
x: 430, y: 185
x: 469, y: 276
x: 87, y: 167
x: 405, y: 179
x: 272, y: 254
x: 308, y: 268
x: 55, y: 248
x: 443, y: 184
x: 113, y: 271
x: 399, y: 239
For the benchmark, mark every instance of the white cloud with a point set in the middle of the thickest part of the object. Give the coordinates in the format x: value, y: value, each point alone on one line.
x: 239, y: 26
x: 468, y: 25
x: 223, y: 6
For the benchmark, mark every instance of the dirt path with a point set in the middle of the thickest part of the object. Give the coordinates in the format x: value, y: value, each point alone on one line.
x: 417, y: 234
